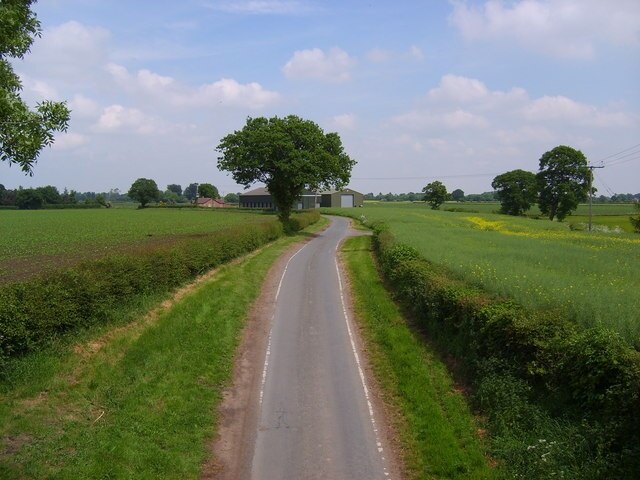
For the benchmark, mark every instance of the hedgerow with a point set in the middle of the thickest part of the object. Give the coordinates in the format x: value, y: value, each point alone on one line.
x: 35, y: 312
x: 536, y: 374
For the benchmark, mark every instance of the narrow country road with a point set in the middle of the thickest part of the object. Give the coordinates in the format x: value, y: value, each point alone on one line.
x: 315, y: 419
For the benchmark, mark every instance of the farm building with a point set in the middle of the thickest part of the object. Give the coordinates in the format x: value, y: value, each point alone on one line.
x: 261, y: 198
x: 345, y: 198
x: 210, y: 202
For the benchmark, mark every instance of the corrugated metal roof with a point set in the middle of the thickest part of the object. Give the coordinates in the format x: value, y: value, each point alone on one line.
x: 257, y: 191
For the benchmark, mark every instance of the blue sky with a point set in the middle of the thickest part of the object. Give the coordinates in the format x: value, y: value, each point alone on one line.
x: 458, y: 91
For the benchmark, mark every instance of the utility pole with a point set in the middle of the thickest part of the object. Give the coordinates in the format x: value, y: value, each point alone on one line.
x: 591, y: 191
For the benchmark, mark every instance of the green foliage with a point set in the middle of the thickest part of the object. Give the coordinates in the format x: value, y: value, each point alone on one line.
x: 232, y: 198
x: 24, y: 132
x: 288, y: 155
x: 435, y: 194
x: 563, y: 181
x: 517, y: 190
x: 593, y: 278
x: 207, y: 190
x: 457, y: 195
x: 191, y: 192
x: 158, y: 382
x: 301, y: 220
x: 177, y: 189
x: 29, y: 199
x: 530, y: 364
x: 435, y: 427
x: 635, y: 221
x: 144, y: 190
x: 45, y: 234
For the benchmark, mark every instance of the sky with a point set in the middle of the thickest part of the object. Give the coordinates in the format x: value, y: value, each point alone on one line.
x: 456, y: 91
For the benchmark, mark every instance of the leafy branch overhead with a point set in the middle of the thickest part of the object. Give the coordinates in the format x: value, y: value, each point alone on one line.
x: 288, y: 155
x: 23, y: 132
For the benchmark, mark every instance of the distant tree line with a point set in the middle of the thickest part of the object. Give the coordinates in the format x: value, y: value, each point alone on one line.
x: 145, y: 191
x: 564, y: 180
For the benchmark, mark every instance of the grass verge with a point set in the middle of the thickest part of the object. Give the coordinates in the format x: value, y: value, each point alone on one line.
x: 141, y: 402
x: 439, y: 436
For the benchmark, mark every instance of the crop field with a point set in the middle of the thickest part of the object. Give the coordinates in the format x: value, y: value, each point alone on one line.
x: 30, y: 240
x: 594, y: 277
x: 605, y: 216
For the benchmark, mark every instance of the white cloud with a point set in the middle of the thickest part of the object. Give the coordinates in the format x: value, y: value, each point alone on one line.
x: 459, y: 89
x: 130, y: 120
x: 69, y: 141
x: 70, y: 49
x: 450, y: 120
x: 262, y: 7
x: 561, y: 108
x: 39, y: 88
x: 345, y: 121
x: 83, y: 106
x: 562, y: 28
x: 333, y: 66
x: 224, y: 92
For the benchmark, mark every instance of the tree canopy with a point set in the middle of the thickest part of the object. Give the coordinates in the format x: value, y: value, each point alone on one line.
x: 517, y: 190
x: 458, y: 195
x: 23, y: 132
x: 206, y: 190
x: 288, y: 155
x: 563, y: 181
x: 435, y: 194
x: 144, y: 190
x: 175, y: 188
x: 191, y: 192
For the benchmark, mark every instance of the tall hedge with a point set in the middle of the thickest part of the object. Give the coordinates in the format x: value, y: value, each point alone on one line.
x: 34, y: 312
x: 588, y: 377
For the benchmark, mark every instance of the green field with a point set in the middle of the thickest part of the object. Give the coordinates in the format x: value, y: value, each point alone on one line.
x: 593, y: 277
x: 52, y: 237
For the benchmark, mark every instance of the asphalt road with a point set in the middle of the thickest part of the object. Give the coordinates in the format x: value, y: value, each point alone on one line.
x: 315, y: 419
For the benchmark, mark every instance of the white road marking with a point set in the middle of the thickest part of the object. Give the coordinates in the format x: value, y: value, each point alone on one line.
x: 360, y: 371
x: 275, y: 300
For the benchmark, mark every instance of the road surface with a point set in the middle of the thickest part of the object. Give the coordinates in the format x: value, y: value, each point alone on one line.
x: 315, y: 417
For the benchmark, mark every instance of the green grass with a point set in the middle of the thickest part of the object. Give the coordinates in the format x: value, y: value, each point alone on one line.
x: 144, y: 405
x: 437, y: 430
x: 593, y: 277
x: 48, y: 232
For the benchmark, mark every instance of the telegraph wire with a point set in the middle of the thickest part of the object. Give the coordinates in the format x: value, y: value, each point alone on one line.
x: 619, y: 155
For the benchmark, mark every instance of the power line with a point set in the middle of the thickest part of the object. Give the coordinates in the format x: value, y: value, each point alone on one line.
x: 469, y: 175
x: 620, y: 152
x: 625, y: 161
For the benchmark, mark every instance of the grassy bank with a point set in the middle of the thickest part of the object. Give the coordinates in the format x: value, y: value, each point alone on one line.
x: 138, y: 401
x: 439, y: 436
x: 560, y: 401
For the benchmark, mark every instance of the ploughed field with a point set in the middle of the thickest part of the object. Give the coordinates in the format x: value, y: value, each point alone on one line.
x: 38, y: 240
x: 593, y: 277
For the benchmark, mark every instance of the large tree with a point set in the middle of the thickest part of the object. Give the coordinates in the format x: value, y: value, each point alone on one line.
x: 563, y: 181
x: 207, y: 190
x: 458, y: 195
x: 175, y: 188
x: 23, y: 132
x: 517, y: 190
x: 435, y: 194
x: 144, y: 190
x: 288, y: 155
x: 191, y: 192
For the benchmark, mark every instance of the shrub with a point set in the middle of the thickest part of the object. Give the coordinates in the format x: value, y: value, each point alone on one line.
x: 34, y: 312
x: 529, y: 366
